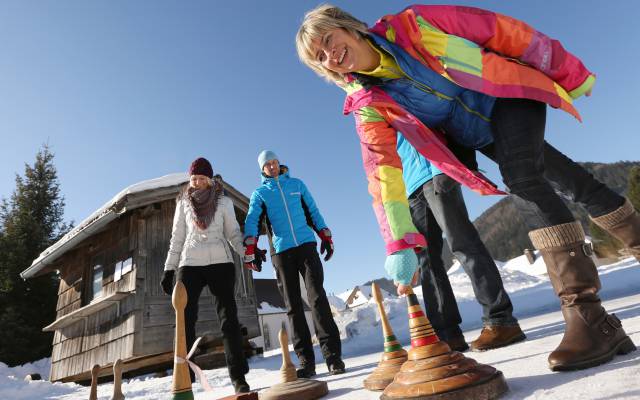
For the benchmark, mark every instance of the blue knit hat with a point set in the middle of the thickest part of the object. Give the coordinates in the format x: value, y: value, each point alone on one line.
x: 266, y: 155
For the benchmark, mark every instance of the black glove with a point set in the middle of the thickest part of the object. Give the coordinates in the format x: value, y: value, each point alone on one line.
x: 167, y: 281
x: 253, y: 256
x: 326, y: 244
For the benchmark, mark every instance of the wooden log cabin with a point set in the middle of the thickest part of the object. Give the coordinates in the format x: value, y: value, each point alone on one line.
x: 110, y: 303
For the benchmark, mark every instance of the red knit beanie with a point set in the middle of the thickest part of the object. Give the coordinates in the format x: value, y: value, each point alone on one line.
x: 200, y: 166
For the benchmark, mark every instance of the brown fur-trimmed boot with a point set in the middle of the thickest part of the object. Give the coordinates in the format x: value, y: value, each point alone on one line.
x: 623, y: 224
x: 591, y: 336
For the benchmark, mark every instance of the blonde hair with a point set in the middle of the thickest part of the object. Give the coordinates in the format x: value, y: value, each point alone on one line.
x: 316, y: 23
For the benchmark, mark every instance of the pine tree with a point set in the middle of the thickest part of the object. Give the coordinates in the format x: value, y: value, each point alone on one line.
x: 30, y: 221
x: 634, y: 187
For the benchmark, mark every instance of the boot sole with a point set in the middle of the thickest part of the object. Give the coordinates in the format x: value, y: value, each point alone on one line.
x: 516, y: 339
x: 625, y: 346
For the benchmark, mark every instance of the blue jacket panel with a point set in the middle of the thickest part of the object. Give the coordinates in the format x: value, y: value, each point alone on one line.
x: 439, y: 103
x: 290, y: 210
x: 416, y: 170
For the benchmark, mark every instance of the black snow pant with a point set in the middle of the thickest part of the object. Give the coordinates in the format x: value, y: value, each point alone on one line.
x: 220, y: 278
x: 289, y: 265
x: 536, y: 172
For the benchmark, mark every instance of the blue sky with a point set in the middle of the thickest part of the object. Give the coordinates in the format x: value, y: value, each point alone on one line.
x: 127, y: 91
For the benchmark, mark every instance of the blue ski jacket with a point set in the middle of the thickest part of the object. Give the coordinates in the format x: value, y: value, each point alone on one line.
x: 291, y: 213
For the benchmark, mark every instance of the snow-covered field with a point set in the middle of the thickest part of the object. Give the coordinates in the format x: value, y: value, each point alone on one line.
x: 523, y: 364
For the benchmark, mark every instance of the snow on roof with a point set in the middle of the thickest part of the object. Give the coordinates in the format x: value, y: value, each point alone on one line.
x: 266, y: 308
x: 336, y: 301
x: 105, y: 214
x: 344, y: 295
x: 366, y: 290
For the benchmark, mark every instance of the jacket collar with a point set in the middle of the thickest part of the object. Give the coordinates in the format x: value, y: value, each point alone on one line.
x: 284, y: 174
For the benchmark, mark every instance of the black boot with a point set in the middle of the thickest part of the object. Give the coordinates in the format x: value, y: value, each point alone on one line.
x: 240, y: 385
x: 335, y: 367
x: 306, y: 370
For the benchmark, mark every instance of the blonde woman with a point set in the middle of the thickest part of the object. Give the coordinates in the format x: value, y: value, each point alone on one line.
x: 438, y: 75
x: 204, y: 225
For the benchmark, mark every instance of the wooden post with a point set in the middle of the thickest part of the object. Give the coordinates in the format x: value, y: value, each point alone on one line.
x: 117, y: 380
x: 181, y: 379
x: 292, y: 388
x: 93, y: 394
x: 288, y: 370
x: 435, y: 372
x: 393, y: 356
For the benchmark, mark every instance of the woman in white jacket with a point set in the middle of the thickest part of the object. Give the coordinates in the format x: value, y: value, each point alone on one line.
x: 204, y: 225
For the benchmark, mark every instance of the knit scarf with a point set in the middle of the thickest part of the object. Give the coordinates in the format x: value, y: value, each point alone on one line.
x: 204, y: 202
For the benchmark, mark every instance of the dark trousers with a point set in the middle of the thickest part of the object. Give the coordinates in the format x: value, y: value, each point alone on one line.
x: 289, y: 265
x: 533, y: 170
x: 439, y: 207
x: 220, y: 278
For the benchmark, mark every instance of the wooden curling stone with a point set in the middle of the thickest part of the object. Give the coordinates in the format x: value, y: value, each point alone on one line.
x: 394, y: 355
x: 291, y: 387
x: 434, y: 372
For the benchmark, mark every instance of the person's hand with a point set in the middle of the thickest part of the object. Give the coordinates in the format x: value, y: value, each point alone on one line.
x: 253, y: 256
x: 261, y: 256
x: 326, y: 244
x: 167, y: 282
x: 402, y: 266
x: 404, y: 289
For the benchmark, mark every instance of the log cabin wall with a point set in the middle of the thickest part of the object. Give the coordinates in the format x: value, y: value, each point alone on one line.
x: 142, y: 322
x: 107, y: 334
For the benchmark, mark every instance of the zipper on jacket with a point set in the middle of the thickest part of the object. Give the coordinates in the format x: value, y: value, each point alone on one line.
x: 430, y: 90
x: 286, y: 209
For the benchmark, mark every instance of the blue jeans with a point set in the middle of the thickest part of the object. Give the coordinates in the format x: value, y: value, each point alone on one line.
x: 438, y: 206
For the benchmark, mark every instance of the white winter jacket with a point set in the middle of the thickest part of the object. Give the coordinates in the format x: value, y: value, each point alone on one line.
x: 195, y: 247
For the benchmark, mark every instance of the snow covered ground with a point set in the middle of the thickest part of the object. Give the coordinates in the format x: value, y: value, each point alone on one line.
x: 523, y: 364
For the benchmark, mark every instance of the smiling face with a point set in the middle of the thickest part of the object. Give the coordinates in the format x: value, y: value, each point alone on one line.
x: 199, y: 182
x: 271, y: 168
x: 339, y: 51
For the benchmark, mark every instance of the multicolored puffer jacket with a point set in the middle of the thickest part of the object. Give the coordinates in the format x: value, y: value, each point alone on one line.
x: 476, y: 49
x: 289, y: 208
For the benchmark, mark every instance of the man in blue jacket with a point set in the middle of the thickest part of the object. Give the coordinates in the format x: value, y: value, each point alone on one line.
x: 292, y: 217
x: 437, y: 205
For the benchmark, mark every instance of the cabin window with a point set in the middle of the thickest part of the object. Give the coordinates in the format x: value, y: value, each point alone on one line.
x: 97, y: 274
x: 122, y: 268
x: 95, y: 278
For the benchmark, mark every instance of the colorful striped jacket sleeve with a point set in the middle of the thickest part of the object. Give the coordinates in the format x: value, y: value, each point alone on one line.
x: 383, y: 168
x: 510, y: 38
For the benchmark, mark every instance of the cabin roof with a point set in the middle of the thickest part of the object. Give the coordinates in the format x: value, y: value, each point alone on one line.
x: 269, y: 299
x: 135, y: 196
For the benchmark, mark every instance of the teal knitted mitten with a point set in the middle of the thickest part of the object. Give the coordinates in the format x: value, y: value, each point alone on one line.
x: 401, y: 265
